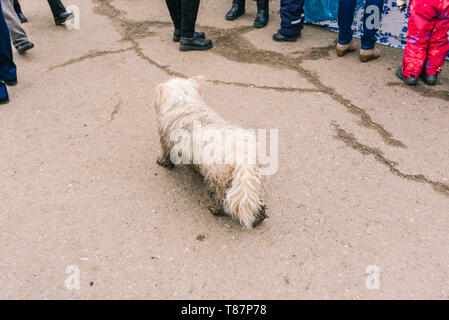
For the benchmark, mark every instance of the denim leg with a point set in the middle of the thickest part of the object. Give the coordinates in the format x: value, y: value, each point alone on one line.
x: 371, y: 22
x: 346, y: 10
x: 7, y: 66
x: 3, y: 91
x: 292, y: 15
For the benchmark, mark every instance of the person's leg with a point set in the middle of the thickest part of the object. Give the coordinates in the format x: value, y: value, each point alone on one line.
x: 17, y: 7
x: 292, y: 15
x: 438, y: 44
x: 420, y: 25
x: 4, y: 97
x: 189, y: 14
x: 174, y: 8
x: 346, y: 10
x: 18, y: 35
x: 263, y: 14
x: 7, y: 66
x: 18, y: 10
x: 59, y: 12
x: 191, y: 40
x: 371, y: 23
x: 57, y: 8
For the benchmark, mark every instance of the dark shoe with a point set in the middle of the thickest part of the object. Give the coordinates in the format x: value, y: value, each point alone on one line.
x: 22, y: 18
x: 63, y: 17
x: 22, y: 48
x: 408, y: 81
x: 11, y: 83
x: 281, y: 38
x: 177, y: 35
x: 4, y: 100
x: 196, y: 44
x: 428, y: 79
x: 237, y: 10
x: 261, y: 18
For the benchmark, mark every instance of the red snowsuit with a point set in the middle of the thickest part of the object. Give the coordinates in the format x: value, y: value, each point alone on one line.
x: 427, y: 39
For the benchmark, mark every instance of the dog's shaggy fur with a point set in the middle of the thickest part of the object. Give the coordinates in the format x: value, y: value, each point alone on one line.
x: 236, y: 187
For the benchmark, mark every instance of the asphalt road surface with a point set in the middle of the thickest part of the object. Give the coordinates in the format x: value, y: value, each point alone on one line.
x: 359, y: 207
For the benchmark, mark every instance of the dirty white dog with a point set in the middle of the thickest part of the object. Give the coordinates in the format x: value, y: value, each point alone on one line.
x: 234, y: 184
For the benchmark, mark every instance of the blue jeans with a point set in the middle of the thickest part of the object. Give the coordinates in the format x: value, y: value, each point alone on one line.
x: 7, y: 66
x: 371, y: 19
x: 292, y: 15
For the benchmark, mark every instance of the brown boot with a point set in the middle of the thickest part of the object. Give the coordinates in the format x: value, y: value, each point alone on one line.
x: 343, y: 49
x: 368, y: 55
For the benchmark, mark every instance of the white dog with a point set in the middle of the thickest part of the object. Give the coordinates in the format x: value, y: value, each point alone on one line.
x: 235, y: 184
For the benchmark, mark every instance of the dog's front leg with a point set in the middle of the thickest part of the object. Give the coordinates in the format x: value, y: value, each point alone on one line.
x: 164, y: 160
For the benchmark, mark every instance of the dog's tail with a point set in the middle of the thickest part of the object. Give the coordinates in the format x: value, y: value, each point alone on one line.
x: 244, y: 198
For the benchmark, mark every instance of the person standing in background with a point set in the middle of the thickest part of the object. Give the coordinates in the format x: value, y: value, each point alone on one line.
x: 8, y: 72
x: 427, y: 41
x: 18, y: 35
x: 184, y: 14
x: 371, y: 24
x: 238, y: 9
x: 292, y: 21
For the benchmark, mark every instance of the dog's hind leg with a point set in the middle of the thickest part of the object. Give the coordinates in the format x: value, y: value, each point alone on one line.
x: 164, y: 161
x: 216, y: 208
x: 164, y: 158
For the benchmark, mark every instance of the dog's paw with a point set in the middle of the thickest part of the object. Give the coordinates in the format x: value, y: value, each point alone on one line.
x: 259, y: 220
x: 165, y: 163
x: 216, y: 211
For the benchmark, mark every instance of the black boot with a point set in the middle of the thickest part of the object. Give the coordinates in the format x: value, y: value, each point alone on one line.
x: 194, y: 43
x: 24, y: 47
x: 237, y: 10
x: 177, y: 35
x: 428, y: 79
x: 63, y: 17
x: 282, y: 38
x: 262, y: 14
x: 411, y: 81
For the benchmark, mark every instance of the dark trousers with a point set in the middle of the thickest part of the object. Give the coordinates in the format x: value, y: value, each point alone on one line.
x: 17, y: 7
x: 7, y: 66
x: 371, y: 19
x: 292, y: 15
x: 183, y: 14
x: 56, y: 7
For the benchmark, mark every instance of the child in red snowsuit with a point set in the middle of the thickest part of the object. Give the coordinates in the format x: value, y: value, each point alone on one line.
x: 427, y: 41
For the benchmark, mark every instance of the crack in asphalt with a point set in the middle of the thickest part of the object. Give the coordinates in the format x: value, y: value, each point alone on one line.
x: 250, y: 85
x: 351, y: 141
x: 231, y: 44
x: 90, y: 55
x: 114, y: 112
